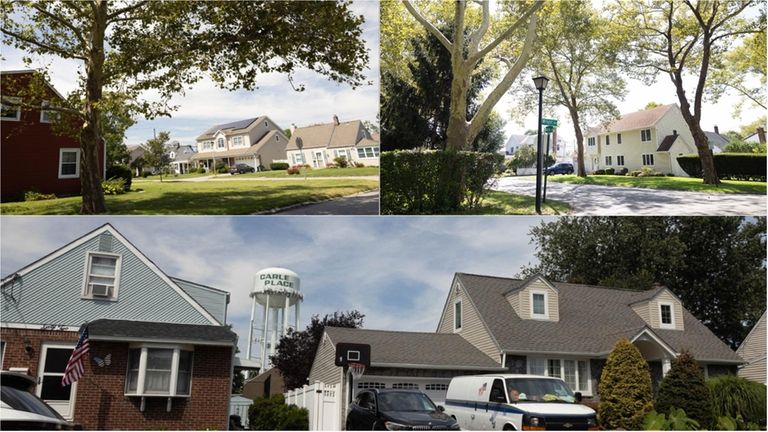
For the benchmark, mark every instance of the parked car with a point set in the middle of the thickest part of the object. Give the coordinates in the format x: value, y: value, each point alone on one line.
x: 390, y: 409
x: 241, y: 168
x: 560, y: 168
x: 20, y: 409
x: 516, y: 402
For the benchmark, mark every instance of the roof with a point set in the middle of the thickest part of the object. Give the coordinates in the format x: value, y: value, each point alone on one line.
x: 413, y: 349
x: 31, y: 72
x: 229, y: 127
x: 330, y: 135
x: 717, y: 140
x: 580, y: 307
x: 667, y: 142
x: 635, y: 120
x: 240, y: 152
x: 125, y: 330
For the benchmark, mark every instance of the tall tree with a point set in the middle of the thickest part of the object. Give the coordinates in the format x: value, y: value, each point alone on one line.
x: 156, y: 153
x: 733, y: 71
x: 128, y: 48
x: 700, y: 259
x: 466, y: 53
x: 296, y: 350
x: 680, y: 39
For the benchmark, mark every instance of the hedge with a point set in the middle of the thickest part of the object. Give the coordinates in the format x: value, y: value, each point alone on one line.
x: 120, y: 171
x: 735, y: 166
x: 278, y: 166
x: 434, y: 182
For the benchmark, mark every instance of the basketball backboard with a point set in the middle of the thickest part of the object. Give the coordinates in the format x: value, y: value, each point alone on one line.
x: 352, y: 353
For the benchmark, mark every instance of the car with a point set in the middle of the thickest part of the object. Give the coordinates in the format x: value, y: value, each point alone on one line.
x: 560, y: 168
x: 241, y: 168
x: 20, y: 409
x: 394, y: 409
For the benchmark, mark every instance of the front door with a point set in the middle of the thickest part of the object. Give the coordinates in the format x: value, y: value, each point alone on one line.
x: 53, y: 361
x: 317, y: 159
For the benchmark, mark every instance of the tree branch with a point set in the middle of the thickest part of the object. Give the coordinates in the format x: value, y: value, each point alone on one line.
x: 126, y: 9
x: 61, y: 21
x: 427, y: 25
x: 488, y: 48
x: 60, y: 51
x: 477, y: 35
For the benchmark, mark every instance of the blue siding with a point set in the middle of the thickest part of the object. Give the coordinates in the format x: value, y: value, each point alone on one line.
x: 213, y: 301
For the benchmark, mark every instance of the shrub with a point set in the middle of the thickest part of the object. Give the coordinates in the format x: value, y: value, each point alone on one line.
x: 123, y: 172
x: 684, y: 387
x: 330, y: 165
x: 341, y: 161
x: 37, y: 196
x: 599, y: 172
x: 273, y: 414
x: 294, y: 170
x: 278, y: 166
x: 113, y: 186
x: 610, y: 171
x: 635, y: 173
x: 624, y: 388
x: 735, y: 166
x: 737, y: 397
x: 359, y: 164
x: 677, y: 420
x: 623, y: 171
x: 145, y: 174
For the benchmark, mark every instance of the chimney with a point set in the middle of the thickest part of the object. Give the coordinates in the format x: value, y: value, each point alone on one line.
x: 335, y: 119
x: 717, y: 130
x: 674, y: 132
x: 293, y: 128
x: 761, y: 135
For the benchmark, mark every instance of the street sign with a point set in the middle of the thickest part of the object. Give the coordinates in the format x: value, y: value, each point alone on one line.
x: 549, y: 122
x: 549, y: 129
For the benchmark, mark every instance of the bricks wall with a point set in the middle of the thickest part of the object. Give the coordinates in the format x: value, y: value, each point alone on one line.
x: 16, y: 356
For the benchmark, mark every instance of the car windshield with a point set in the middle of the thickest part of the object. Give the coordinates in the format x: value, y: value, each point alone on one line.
x: 540, y: 390
x: 25, y: 401
x: 405, y: 402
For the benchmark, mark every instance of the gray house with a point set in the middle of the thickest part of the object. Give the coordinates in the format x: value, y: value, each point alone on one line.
x: 752, y: 350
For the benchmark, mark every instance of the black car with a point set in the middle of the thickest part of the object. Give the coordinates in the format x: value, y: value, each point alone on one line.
x: 560, y: 168
x: 391, y: 409
x: 241, y: 169
x: 20, y: 409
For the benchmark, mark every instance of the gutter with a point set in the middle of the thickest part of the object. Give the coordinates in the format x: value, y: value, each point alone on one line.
x: 440, y: 367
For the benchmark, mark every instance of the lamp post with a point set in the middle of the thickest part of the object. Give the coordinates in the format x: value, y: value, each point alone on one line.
x: 540, y: 83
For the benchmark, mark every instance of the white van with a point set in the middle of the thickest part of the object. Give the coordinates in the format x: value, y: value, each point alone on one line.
x: 516, y: 402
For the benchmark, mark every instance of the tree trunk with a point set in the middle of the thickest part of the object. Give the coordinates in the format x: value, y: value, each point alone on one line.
x: 90, y: 134
x: 581, y: 171
x: 700, y: 140
x: 458, y: 126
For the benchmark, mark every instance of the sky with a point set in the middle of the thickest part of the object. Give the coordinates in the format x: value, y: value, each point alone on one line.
x: 395, y: 270
x: 206, y: 105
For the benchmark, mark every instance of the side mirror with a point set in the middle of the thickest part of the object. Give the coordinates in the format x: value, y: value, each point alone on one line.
x: 440, y: 408
x: 578, y: 397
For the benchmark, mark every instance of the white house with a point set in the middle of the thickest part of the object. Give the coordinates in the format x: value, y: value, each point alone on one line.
x: 318, y: 145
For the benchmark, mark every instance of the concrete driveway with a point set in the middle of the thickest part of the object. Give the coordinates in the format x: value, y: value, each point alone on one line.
x: 365, y: 203
x: 621, y: 201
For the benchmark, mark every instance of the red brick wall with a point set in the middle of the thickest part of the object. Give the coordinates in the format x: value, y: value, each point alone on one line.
x: 100, y: 401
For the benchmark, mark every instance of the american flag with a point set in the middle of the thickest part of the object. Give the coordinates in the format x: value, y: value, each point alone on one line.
x: 75, y: 366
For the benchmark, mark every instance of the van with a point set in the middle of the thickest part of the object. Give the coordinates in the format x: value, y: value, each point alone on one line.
x: 516, y: 402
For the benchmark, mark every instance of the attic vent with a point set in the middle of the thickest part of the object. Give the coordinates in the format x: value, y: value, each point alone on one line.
x: 105, y: 242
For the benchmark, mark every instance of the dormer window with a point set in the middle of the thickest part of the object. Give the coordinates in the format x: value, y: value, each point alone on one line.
x: 457, y: 315
x: 666, y: 316
x: 103, y: 276
x: 539, y: 309
x: 220, y: 143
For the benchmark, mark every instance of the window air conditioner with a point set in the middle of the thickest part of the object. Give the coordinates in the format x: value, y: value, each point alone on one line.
x: 100, y: 290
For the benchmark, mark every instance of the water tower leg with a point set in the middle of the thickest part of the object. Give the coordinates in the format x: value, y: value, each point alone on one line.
x: 285, y: 316
x: 265, y: 334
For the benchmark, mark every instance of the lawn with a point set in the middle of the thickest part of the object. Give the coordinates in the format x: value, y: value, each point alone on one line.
x: 169, y: 177
x: 319, y: 172
x: 671, y: 183
x: 504, y: 203
x: 203, y: 198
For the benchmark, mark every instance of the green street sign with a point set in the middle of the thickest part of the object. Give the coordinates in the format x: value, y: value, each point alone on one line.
x: 549, y: 122
x: 549, y: 129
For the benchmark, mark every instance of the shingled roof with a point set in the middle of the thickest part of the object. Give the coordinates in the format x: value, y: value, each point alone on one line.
x: 667, y: 142
x: 330, y: 135
x: 636, y: 120
x: 239, y: 152
x: 412, y: 349
x: 592, y: 319
x: 126, y: 330
x: 229, y: 127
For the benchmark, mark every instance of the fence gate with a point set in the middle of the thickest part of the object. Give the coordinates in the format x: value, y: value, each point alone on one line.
x: 323, y: 401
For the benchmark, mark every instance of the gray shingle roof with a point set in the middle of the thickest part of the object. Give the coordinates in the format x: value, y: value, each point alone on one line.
x: 667, y: 142
x: 592, y: 319
x: 108, y: 329
x: 412, y: 348
x: 717, y: 140
x: 240, y: 124
x: 329, y: 135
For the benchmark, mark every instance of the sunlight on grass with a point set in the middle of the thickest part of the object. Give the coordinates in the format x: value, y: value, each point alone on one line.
x: 669, y: 183
x: 501, y: 203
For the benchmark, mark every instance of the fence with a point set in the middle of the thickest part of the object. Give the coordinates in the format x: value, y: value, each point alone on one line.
x: 239, y: 405
x: 323, y: 401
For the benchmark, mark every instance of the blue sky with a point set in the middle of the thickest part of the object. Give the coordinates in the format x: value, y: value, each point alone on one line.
x: 396, y: 270
x: 206, y: 105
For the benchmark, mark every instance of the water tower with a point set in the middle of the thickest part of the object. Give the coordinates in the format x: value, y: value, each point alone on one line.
x: 275, y: 291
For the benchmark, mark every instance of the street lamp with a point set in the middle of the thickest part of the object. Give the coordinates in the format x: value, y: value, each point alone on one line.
x: 540, y: 83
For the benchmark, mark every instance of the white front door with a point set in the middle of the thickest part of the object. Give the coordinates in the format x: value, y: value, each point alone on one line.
x: 317, y: 159
x: 53, y: 361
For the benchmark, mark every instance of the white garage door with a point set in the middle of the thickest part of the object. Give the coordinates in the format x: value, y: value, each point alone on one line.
x: 435, y: 388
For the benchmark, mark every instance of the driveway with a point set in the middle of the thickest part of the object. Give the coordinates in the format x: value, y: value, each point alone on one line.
x: 621, y: 201
x: 365, y: 203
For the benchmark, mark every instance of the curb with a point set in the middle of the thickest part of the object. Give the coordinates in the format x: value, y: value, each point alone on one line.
x: 306, y: 203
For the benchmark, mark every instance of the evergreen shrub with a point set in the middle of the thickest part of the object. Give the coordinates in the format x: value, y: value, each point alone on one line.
x: 735, y: 397
x: 278, y: 166
x: 273, y: 414
x: 735, y: 166
x: 624, y: 388
x: 684, y: 387
x: 123, y: 172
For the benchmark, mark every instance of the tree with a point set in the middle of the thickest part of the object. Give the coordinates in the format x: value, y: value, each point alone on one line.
x: 700, y: 259
x: 296, y: 350
x: 652, y: 105
x: 676, y: 39
x: 737, y: 145
x: 466, y: 54
x: 272, y: 413
x: 525, y: 157
x: 747, y: 60
x: 130, y: 49
x: 684, y: 387
x: 156, y: 153
x: 624, y: 388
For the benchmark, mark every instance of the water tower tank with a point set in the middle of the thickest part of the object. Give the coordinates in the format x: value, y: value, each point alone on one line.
x: 275, y: 283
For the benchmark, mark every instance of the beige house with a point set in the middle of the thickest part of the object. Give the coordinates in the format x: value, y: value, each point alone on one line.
x: 318, y: 145
x: 651, y: 138
x: 255, y: 142
x: 752, y: 350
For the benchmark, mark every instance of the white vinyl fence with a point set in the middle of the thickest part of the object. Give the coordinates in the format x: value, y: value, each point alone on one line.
x: 239, y: 405
x: 323, y: 401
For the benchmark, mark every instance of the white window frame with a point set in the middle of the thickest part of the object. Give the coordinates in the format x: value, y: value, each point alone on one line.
x: 590, y: 141
x: 221, y: 143
x: 588, y: 371
x: 77, y: 163
x: 55, y: 404
x: 238, y: 141
x: 460, y: 321
x: 607, y: 140
x: 618, y: 138
x: 620, y: 160
x: 648, y: 157
x: 44, y: 111
x: 671, y: 306
x: 208, y: 145
x: 643, y: 133
x: 545, y: 315
x: 142, y: 373
x: 13, y: 99
x: 405, y: 386
x: 608, y: 161
x: 86, y: 292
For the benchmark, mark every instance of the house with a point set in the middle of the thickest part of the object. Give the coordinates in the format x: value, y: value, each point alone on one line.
x: 256, y: 142
x: 651, y: 138
x: 717, y: 142
x: 318, y: 145
x: 534, y: 326
x: 266, y: 384
x: 161, y: 353
x: 512, y: 144
x: 758, y: 136
x: 33, y: 157
x: 752, y: 350
x: 181, y: 157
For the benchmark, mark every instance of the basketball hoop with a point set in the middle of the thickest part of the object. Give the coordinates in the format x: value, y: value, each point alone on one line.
x: 356, y: 370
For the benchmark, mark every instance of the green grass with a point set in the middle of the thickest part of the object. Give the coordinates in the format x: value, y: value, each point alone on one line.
x: 671, y: 183
x: 169, y: 177
x: 504, y: 203
x: 319, y: 172
x: 203, y: 198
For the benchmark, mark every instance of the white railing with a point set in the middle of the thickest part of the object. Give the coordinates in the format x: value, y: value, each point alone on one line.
x: 323, y: 401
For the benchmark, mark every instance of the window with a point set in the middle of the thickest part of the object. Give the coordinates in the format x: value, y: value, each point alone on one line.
x: 2, y: 352
x: 341, y: 153
x: 537, y: 366
x: 220, y: 143
x: 11, y: 109
x: 371, y: 385
x: 367, y: 152
x: 207, y: 145
x: 554, y: 368
x: 457, y: 315
x: 645, y: 135
x: 608, y: 160
x: 69, y: 163
x: 607, y: 140
x: 436, y: 387
x: 159, y: 371
x: 620, y: 160
x: 102, y: 277
x: 666, y: 315
x: 237, y: 141
x: 618, y: 138
x: 405, y: 386
x: 46, y: 116
x: 648, y: 159
x: 574, y: 372
x: 539, y: 305
x: 298, y: 158
x: 277, y: 137
x: 591, y: 141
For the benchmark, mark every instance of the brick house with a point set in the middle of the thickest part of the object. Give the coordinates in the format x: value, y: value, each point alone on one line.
x: 161, y: 354
x: 34, y: 158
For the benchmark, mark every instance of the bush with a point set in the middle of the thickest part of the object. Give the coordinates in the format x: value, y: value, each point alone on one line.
x: 599, y: 172
x: 37, y: 196
x: 278, y: 166
x: 273, y: 414
x: 341, y: 161
x: 294, y: 170
x: 610, y: 171
x: 683, y: 387
x: 123, y: 172
x: 434, y: 182
x: 624, y: 388
x: 113, y: 186
x: 145, y: 174
x: 359, y: 164
x: 677, y: 420
x: 736, y: 397
x: 734, y: 166
x: 623, y: 171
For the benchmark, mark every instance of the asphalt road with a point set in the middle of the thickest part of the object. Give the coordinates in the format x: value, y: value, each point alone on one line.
x: 590, y: 200
x: 366, y: 203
